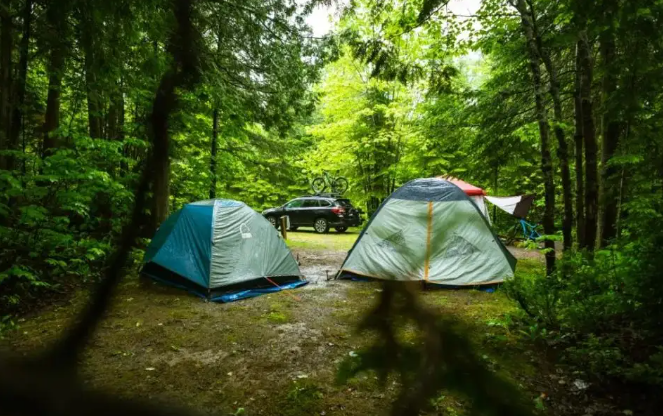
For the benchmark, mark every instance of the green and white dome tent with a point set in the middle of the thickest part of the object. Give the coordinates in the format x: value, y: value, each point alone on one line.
x: 429, y: 230
x: 221, y: 250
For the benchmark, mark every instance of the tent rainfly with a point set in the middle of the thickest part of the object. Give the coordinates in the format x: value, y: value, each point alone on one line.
x: 475, y: 193
x: 222, y: 250
x: 429, y: 230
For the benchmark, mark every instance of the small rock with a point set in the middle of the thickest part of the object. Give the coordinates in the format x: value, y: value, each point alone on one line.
x: 580, y: 384
x: 150, y: 369
x: 352, y: 354
x: 230, y: 373
x: 302, y: 376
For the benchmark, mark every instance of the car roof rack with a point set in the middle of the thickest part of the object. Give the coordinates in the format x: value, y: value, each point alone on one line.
x: 324, y: 195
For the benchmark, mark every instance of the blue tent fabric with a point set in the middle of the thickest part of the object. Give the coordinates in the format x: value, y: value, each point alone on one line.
x: 188, y: 247
x: 220, y: 250
x: 161, y: 236
x: 429, y: 189
x: 250, y: 293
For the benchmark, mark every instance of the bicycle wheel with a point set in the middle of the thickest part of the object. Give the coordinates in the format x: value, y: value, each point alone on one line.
x: 340, y: 185
x: 318, y: 185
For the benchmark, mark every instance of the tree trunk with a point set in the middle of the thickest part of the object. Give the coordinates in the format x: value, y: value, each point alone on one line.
x: 56, y: 35
x: 5, y: 78
x: 611, y: 132
x: 24, y: 47
x: 562, y: 147
x: 589, y: 138
x: 52, y: 116
x: 495, y: 186
x: 183, y: 71
x: 115, y: 118
x: 578, y: 138
x: 212, y: 160
x: 542, y: 116
x: 91, y: 86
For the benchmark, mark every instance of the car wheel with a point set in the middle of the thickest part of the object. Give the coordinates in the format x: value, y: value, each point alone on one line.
x: 341, y: 229
x: 321, y: 226
x: 272, y: 220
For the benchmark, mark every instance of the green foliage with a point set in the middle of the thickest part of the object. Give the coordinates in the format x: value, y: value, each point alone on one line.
x: 59, y: 223
x: 7, y: 323
x: 605, y: 309
x: 303, y: 398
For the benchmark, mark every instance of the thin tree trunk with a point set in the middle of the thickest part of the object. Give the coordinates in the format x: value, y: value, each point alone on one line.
x: 183, y: 70
x: 611, y: 132
x: 91, y: 86
x: 562, y: 147
x: 6, y: 42
x: 589, y: 138
x: 115, y: 117
x: 212, y: 160
x: 544, y: 129
x: 17, y: 116
x: 56, y: 35
x: 578, y: 138
x: 52, y: 116
x: 495, y: 184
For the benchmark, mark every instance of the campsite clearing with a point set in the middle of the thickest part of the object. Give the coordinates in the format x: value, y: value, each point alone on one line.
x: 278, y: 354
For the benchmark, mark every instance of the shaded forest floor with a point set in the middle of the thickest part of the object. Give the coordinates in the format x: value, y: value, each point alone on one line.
x: 278, y: 354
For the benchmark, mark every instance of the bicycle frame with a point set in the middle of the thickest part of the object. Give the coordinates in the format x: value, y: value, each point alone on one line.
x: 328, y: 179
x: 529, y: 230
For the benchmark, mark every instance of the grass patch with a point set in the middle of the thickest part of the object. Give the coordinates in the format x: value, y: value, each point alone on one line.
x: 530, y: 267
x: 301, y: 399
x: 277, y: 317
x: 278, y: 313
x: 330, y: 241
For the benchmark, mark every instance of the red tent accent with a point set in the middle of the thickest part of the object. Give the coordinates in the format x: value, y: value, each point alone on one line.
x: 469, y: 189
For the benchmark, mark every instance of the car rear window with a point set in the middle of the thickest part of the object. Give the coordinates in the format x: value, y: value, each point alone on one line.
x: 325, y: 203
x: 344, y: 203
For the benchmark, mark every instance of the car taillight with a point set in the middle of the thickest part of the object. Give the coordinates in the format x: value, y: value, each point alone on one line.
x: 338, y: 210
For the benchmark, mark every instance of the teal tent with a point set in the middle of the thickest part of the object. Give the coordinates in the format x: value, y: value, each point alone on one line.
x: 429, y: 230
x: 222, y: 250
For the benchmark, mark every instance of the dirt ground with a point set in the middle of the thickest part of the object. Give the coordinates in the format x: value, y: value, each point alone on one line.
x: 278, y: 354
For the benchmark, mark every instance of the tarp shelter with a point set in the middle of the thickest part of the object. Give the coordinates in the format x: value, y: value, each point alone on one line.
x: 518, y: 206
x: 475, y: 193
x: 222, y: 250
x: 429, y: 230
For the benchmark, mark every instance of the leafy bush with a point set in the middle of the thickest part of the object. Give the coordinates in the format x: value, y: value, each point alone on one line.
x: 58, y: 219
x: 605, y: 309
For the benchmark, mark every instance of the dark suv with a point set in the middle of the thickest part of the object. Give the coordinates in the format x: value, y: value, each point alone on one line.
x: 319, y: 212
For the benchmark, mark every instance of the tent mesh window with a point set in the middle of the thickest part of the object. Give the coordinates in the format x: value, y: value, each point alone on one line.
x: 395, y: 242
x: 457, y: 246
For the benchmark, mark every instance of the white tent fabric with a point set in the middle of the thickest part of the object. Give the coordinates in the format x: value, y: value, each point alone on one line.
x: 479, y: 202
x: 514, y: 205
